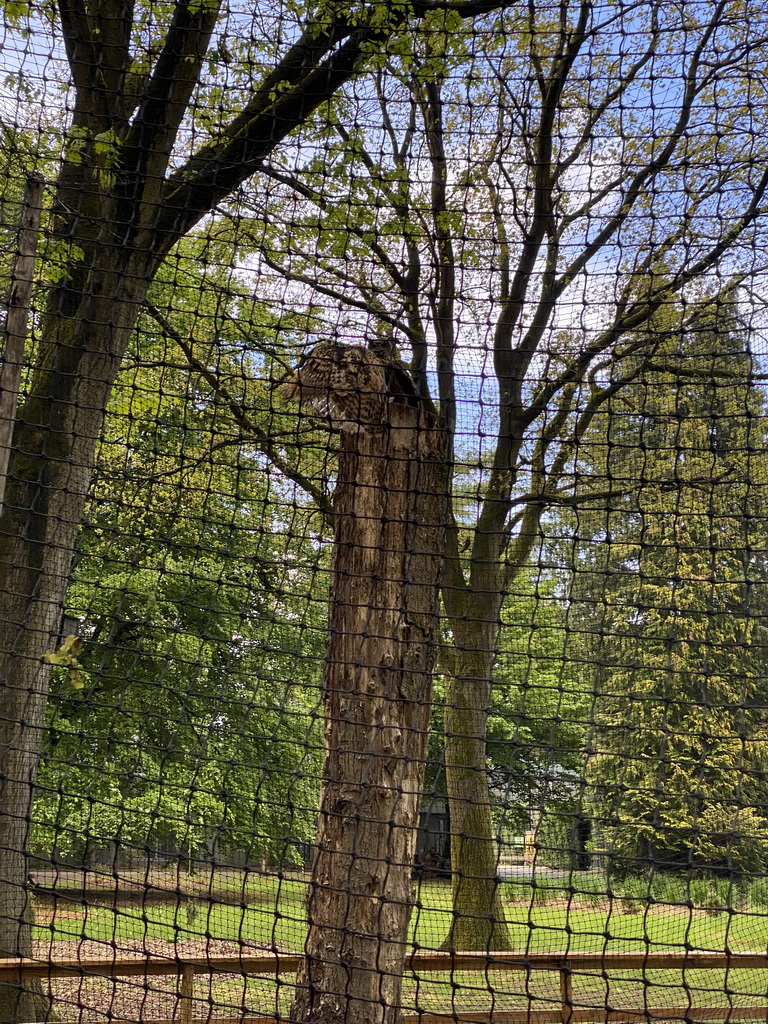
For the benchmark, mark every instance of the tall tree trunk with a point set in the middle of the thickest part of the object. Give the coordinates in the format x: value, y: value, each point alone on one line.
x: 390, y: 512
x: 50, y: 469
x: 13, y: 334
x: 478, y: 921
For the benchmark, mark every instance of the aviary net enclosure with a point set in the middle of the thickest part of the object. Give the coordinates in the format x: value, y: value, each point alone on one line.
x: 384, y: 530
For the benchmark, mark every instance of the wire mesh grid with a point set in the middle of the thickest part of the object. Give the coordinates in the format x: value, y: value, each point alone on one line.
x: 383, y: 511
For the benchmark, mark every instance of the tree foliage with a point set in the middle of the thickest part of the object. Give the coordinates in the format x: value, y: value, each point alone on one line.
x: 669, y: 580
x: 198, y: 610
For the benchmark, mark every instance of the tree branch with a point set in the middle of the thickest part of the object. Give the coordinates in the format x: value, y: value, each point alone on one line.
x: 466, y: 8
x: 169, y: 89
x: 429, y: 94
x: 365, y: 305
x: 510, y: 364
x: 296, y: 88
x: 315, y: 67
x: 259, y: 437
x: 292, y: 182
x: 650, y: 170
x: 79, y: 46
x: 611, y: 95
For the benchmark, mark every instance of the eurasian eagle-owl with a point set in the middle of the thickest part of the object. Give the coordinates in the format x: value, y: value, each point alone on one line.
x: 350, y: 384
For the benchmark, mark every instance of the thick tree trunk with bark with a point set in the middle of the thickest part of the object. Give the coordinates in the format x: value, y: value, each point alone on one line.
x: 13, y: 334
x: 50, y: 470
x: 389, y: 528
x: 478, y: 913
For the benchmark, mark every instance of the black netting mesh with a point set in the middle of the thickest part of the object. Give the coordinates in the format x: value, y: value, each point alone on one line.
x: 383, y: 475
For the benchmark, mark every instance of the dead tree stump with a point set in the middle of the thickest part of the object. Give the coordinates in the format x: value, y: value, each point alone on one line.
x: 389, y: 520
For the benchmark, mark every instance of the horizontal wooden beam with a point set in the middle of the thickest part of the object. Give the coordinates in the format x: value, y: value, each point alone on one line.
x: 590, y: 961
x: 147, y: 966
x: 566, y: 1011
x: 629, y: 1015
x: 419, y: 963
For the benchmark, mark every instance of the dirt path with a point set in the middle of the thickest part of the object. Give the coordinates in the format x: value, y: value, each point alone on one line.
x: 134, y: 999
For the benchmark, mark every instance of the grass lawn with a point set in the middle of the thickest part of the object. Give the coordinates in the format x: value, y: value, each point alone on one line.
x: 270, y: 910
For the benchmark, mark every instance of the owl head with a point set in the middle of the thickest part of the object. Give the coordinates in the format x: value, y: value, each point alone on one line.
x: 346, y: 383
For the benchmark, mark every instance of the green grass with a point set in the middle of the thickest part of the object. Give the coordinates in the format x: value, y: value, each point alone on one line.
x: 273, y: 912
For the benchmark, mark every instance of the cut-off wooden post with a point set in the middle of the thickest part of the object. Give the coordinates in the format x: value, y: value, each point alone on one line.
x: 186, y: 994
x: 566, y: 994
x: 17, y: 314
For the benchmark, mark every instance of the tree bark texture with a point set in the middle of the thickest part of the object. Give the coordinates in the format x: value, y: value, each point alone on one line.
x: 49, y: 475
x: 14, y: 332
x: 478, y: 912
x: 389, y: 533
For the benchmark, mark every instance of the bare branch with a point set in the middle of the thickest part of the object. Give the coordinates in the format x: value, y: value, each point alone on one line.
x: 323, y: 203
x: 310, y: 73
x: 500, y: 226
x: 650, y: 170
x: 612, y: 95
x: 430, y: 98
x: 259, y: 438
x: 186, y: 463
x: 365, y: 305
x: 466, y: 8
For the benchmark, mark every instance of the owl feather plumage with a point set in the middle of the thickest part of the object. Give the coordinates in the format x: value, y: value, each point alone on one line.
x: 350, y: 384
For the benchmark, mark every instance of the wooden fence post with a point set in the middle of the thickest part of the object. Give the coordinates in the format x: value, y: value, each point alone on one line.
x: 15, y: 331
x: 186, y: 993
x: 566, y: 993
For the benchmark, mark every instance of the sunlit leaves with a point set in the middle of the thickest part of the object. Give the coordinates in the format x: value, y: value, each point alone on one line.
x: 668, y: 601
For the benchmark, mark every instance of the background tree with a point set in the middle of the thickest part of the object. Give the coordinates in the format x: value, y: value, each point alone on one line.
x: 539, y: 707
x: 200, y: 624
x: 574, y: 166
x: 668, y: 582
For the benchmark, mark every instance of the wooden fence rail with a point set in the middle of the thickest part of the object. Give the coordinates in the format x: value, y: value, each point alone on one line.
x: 566, y: 964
